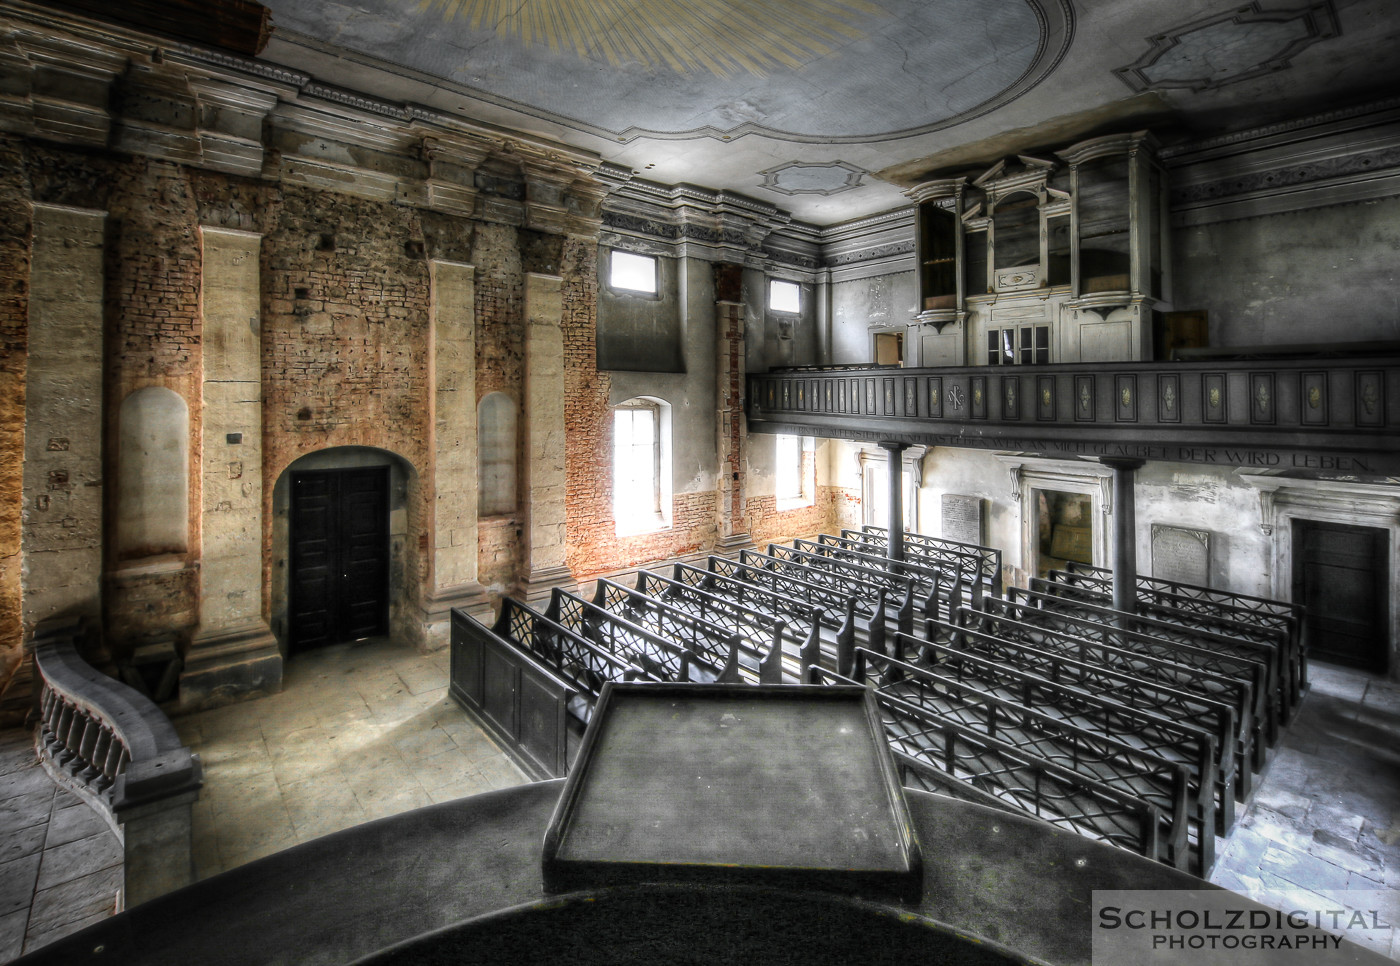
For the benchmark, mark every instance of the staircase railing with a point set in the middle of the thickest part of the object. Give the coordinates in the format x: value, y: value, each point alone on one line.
x: 118, y: 751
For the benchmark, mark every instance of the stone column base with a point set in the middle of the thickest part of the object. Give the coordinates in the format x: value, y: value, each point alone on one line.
x: 435, y: 631
x: 541, y: 583
x: 227, y: 664
x: 731, y: 545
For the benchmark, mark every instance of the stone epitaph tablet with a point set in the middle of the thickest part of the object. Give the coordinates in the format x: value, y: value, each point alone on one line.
x: 962, y: 518
x: 1180, y: 554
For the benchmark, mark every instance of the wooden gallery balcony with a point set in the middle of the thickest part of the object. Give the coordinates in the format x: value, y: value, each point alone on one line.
x: 1333, y: 415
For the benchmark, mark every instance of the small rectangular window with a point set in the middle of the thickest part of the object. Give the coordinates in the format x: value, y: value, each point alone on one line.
x: 784, y: 297
x: 632, y: 273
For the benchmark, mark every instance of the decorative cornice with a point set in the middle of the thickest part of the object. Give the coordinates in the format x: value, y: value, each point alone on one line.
x: 1288, y: 176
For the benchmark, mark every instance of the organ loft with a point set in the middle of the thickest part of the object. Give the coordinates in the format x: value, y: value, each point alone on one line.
x: 814, y: 480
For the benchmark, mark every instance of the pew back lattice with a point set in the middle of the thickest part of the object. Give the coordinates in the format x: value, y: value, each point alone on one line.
x: 950, y: 642
x: 660, y: 656
x: 1187, y: 807
x: 989, y: 557
x: 1047, y: 791
x: 1171, y: 644
x: 856, y: 577
x: 762, y: 635
x: 1198, y: 614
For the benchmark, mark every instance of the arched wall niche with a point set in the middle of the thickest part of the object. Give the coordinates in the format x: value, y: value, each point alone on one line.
x: 406, y: 549
x: 497, y: 444
x: 153, y: 476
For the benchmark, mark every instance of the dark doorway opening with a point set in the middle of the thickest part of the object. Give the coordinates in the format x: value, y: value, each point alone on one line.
x: 339, y: 585
x: 1340, y: 574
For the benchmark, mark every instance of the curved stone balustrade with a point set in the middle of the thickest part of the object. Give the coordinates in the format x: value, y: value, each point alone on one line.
x: 120, y: 753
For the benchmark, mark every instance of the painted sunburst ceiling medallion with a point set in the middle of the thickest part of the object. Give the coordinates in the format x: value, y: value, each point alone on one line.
x: 814, y: 71
x: 683, y: 36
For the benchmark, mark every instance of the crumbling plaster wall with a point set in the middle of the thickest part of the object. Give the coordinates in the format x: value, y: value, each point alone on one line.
x: 1326, y: 274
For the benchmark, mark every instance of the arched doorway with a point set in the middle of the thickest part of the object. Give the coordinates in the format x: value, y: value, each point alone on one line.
x: 340, y: 521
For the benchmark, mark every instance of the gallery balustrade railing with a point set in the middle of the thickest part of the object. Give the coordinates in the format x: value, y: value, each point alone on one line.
x: 1333, y: 415
x: 119, y: 752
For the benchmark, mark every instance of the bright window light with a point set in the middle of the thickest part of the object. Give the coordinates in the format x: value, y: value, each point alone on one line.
x: 783, y: 296
x: 633, y: 273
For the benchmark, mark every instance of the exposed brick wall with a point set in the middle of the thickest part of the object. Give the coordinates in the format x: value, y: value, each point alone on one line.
x: 15, y: 231
x: 845, y: 506
x: 153, y: 333
x: 498, y: 545
x: 344, y: 349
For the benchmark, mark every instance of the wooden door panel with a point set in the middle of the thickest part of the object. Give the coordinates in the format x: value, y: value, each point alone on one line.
x: 339, y: 556
x: 1341, y: 575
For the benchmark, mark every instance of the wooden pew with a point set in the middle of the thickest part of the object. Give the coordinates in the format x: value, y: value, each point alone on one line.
x: 968, y: 565
x: 704, y: 659
x: 872, y: 596
x: 1187, y: 807
x: 1217, y: 652
x: 531, y: 683
x: 1223, y: 612
x: 856, y: 577
x: 1238, y: 694
x: 931, y: 547
x: 857, y: 614
x: 760, y: 651
x: 947, y: 642
x: 941, y: 590
x: 772, y: 647
x: 1056, y: 794
x: 1211, y: 763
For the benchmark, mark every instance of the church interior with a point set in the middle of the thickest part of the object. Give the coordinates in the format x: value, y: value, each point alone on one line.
x: 423, y: 364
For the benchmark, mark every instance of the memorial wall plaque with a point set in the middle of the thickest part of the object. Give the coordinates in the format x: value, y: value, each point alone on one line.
x: 1180, y: 554
x: 962, y: 518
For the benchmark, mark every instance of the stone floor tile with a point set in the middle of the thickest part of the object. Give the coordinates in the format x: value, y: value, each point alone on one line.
x: 27, y: 809
x: 429, y: 701
x: 1382, y: 696
x: 1277, y: 829
x: 313, y: 821
x: 12, y: 927
x: 42, y: 937
x: 22, y: 842
x: 75, y: 901
x: 1356, y: 858
x: 425, y: 744
x: 462, y: 789
x: 327, y: 791
x: 17, y: 878
x: 1304, y: 870
x: 448, y: 768
x: 1337, y: 682
x: 501, y: 772
x: 75, y: 820
x: 423, y: 676
x: 26, y: 780
x: 476, y: 745
x: 74, y: 860
x: 380, y: 801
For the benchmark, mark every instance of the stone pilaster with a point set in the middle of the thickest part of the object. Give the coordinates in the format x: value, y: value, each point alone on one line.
x: 732, y: 527
x: 233, y: 651
x: 452, y: 354
x: 544, y: 437
x: 62, y: 522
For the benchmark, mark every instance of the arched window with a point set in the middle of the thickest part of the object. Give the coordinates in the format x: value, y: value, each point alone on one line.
x: 642, y: 465
x: 495, y: 453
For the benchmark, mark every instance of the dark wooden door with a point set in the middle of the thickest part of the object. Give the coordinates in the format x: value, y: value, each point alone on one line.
x: 339, y: 556
x: 1340, y: 574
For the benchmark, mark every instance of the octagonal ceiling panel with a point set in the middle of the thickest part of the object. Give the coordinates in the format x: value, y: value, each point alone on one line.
x: 818, y: 71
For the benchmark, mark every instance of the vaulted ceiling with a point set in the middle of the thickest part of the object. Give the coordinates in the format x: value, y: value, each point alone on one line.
x: 827, y: 107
